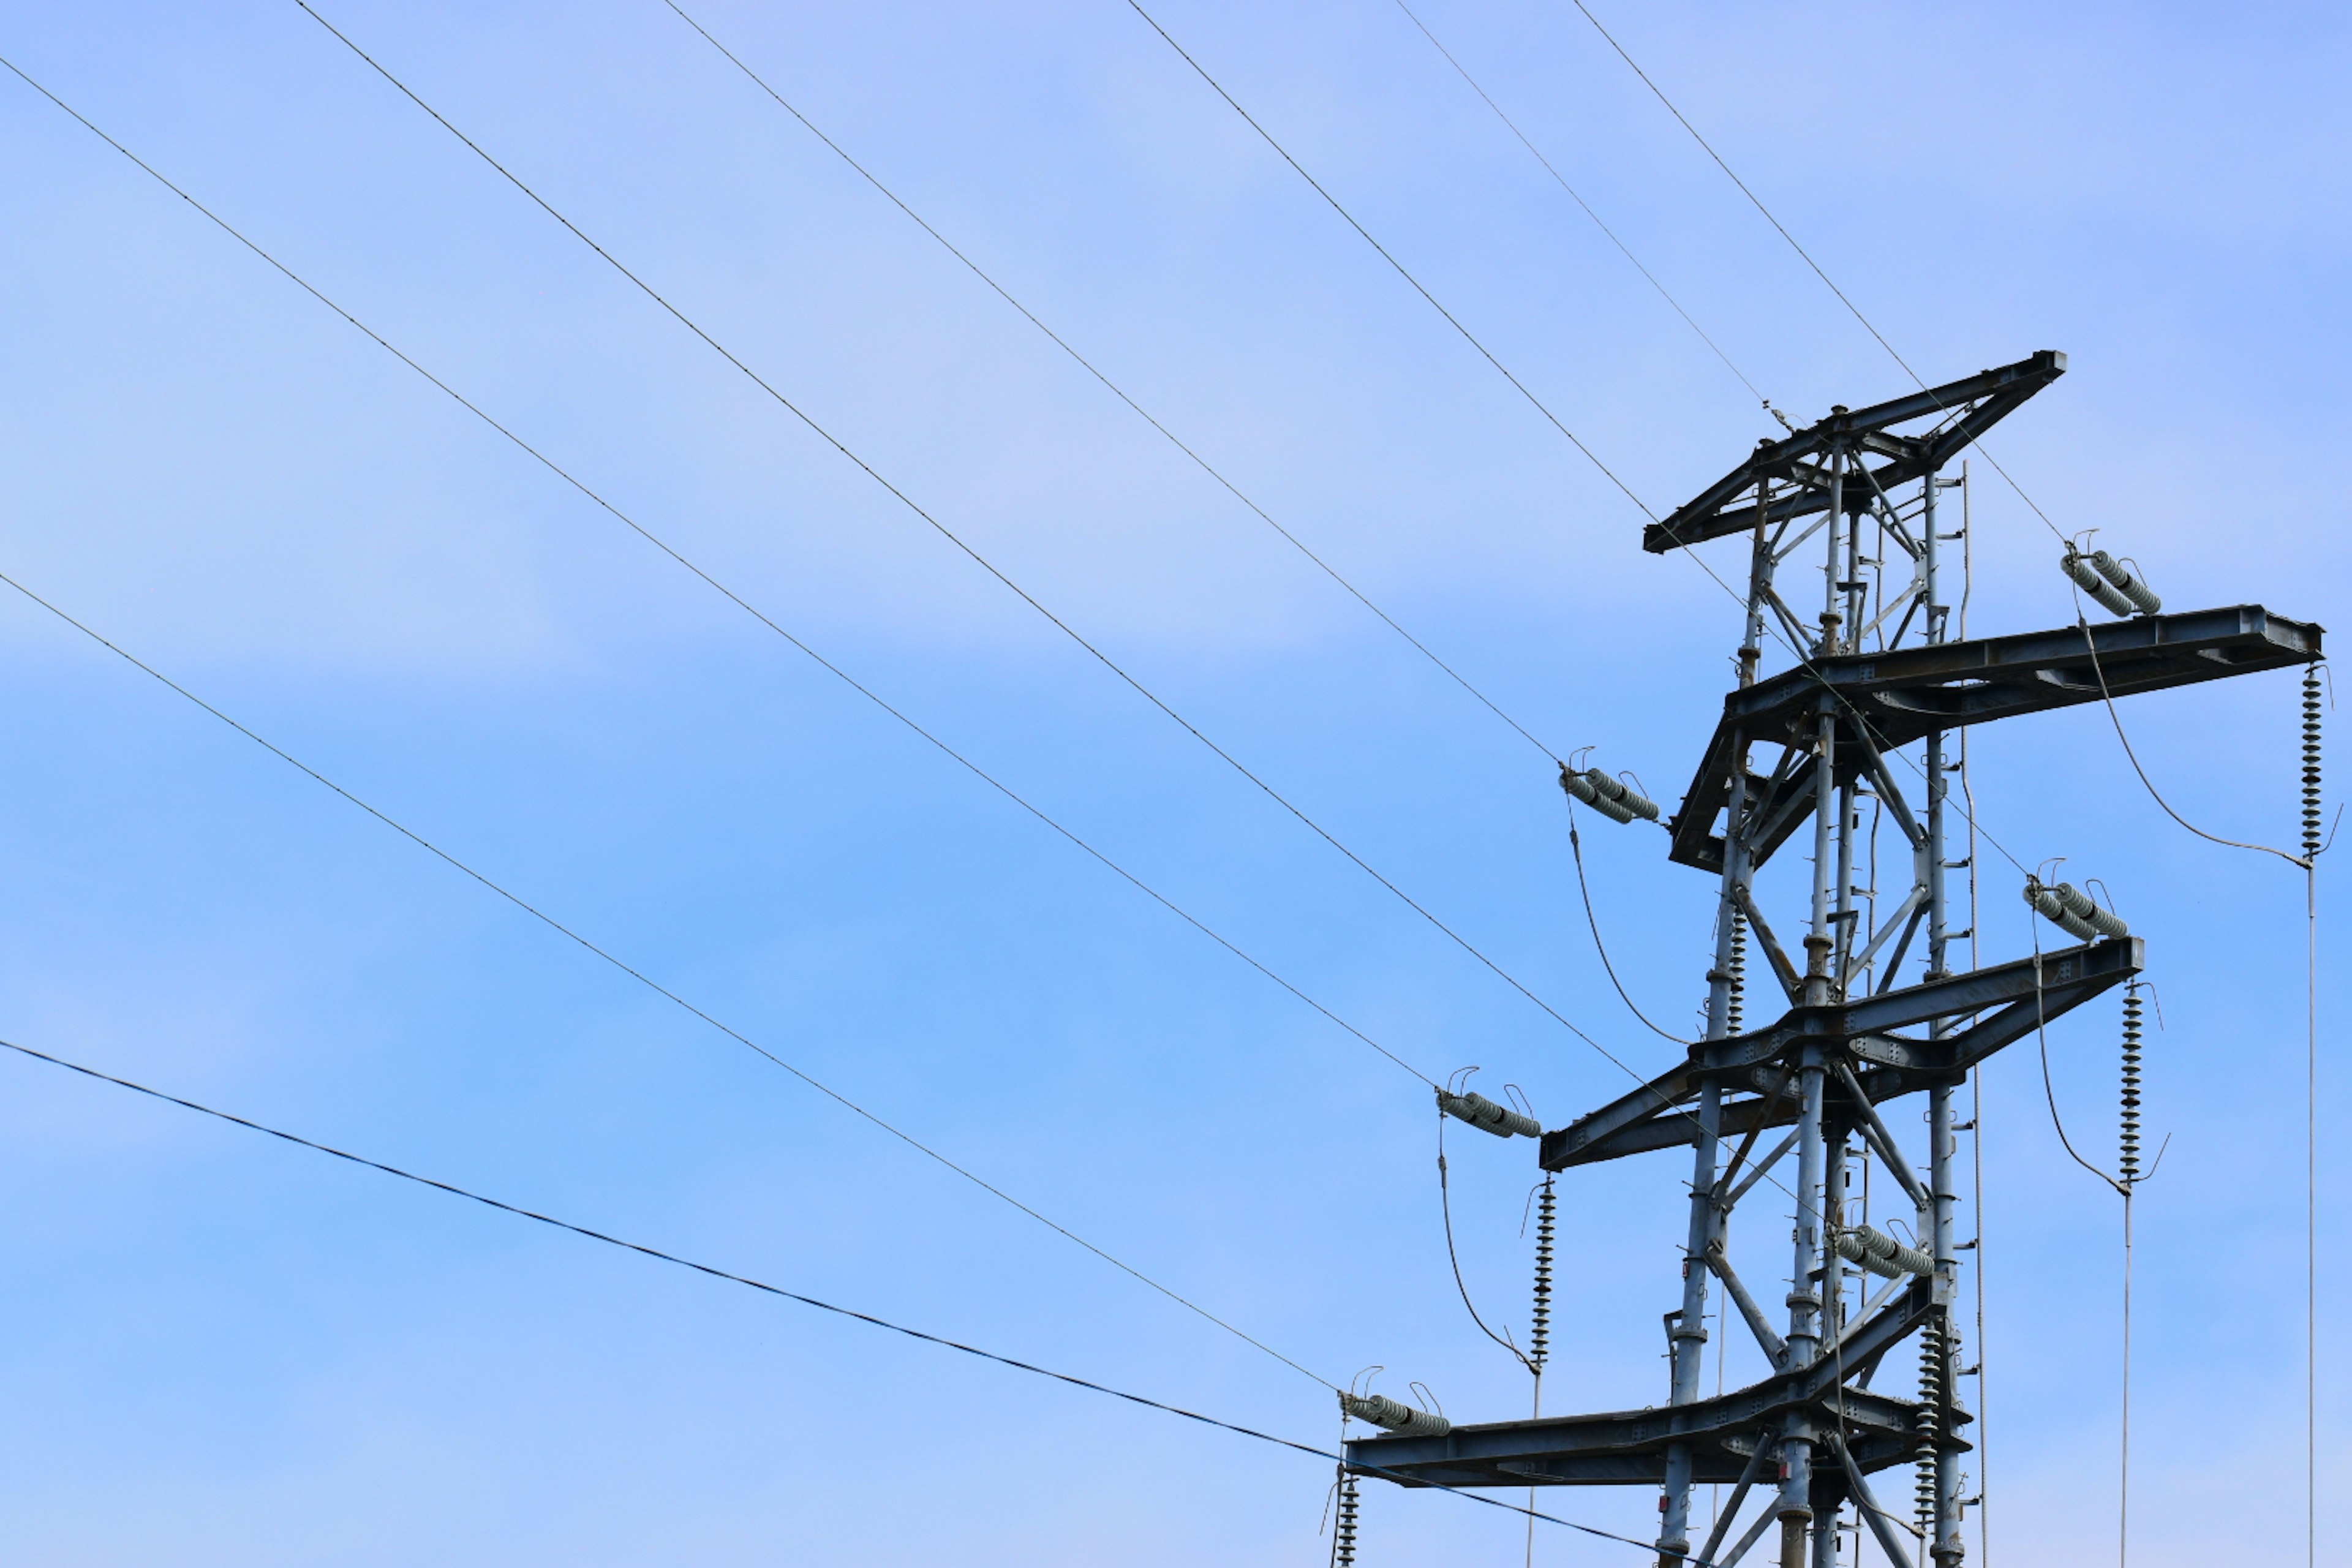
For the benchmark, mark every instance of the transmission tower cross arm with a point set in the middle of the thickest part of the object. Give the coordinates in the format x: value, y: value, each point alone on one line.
x: 1904, y: 694
x: 1720, y: 1433
x: 2007, y: 1001
x: 1961, y: 410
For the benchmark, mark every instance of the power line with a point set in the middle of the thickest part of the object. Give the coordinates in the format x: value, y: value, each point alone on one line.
x: 1798, y: 653
x: 941, y: 529
x: 1113, y: 387
x: 1452, y: 319
x: 1843, y: 298
x: 569, y: 478
x: 656, y: 986
x: 777, y: 1291
x: 714, y: 583
x: 1561, y: 180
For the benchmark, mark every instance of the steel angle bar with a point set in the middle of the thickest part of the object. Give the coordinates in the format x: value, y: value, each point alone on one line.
x: 1765, y: 1442
x: 1782, y: 552
x: 1761, y: 1169
x: 1784, y: 970
x: 1874, y: 1130
x: 1904, y: 912
x: 1889, y: 791
x: 1775, y: 1348
x: 1895, y: 960
x: 1747, y: 1143
x: 1867, y: 1505
x: 1763, y: 1522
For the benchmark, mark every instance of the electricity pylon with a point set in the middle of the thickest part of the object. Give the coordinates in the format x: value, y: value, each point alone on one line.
x: 1874, y: 675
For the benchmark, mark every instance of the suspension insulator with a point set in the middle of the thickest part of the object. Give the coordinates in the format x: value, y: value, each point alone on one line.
x: 1735, y: 1007
x: 1880, y: 1253
x: 1625, y: 794
x: 1540, y: 1318
x: 1580, y: 787
x: 1935, y: 1361
x: 1487, y: 1116
x: 2125, y: 582
x: 2086, y: 577
x: 2073, y: 911
x: 2080, y: 905
x: 1393, y: 1415
x: 2310, y: 760
x: 1343, y: 1527
x: 2129, y: 1164
x: 1613, y: 798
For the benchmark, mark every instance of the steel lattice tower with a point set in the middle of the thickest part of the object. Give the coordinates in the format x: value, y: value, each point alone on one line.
x: 1874, y: 674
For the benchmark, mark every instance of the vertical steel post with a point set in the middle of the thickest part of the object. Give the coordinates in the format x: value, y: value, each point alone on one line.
x: 1689, y: 1340
x: 1804, y: 1313
x: 1830, y: 618
x: 1804, y: 1297
x: 1759, y: 579
x: 1833, y: 1286
x: 1943, y: 1140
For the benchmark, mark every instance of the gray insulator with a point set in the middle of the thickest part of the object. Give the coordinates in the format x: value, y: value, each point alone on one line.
x: 1882, y: 1254
x: 2081, y: 908
x: 1625, y: 794
x: 2086, y: 577
x: 2128, y: 586
x: 1487, y: 1116
x: 1390, y: 1414
x: 2054, y: 909
x: 1580, y: 786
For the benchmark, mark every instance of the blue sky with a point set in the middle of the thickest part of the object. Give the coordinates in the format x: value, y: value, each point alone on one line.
x: 219, y: 1350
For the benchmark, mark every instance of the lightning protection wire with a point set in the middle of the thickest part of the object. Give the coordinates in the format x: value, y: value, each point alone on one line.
x: 711, y: 1272
x: 1583, y: 205
x: 1454, y: 321
x: 750, y: 609
x: 563, y: 474
x: 676, y: 999
x: 1451, y: 319
x: 1843, y: 298
x: 1095, y: 370
x: 983, y: 561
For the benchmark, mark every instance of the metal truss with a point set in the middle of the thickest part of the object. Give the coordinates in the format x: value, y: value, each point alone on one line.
x: 1875, y: 674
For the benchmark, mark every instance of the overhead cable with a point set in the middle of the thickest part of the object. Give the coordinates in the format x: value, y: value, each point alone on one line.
x: 1561, y: 180
x: 945, y: 532
x: 642, y: 978
x: 536, y: 455
x: 1452, y: 319
x: 1843, y: 298
x: 1435, y: 304
x: 569, y: 478
x: 777, y: 1291
x: 1113, y: 387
